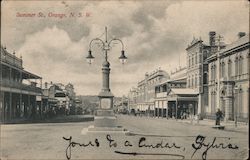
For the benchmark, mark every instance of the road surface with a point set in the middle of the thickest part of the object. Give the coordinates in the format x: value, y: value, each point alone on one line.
x: 148, y: 138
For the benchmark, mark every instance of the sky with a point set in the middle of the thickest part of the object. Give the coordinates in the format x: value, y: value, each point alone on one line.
x: 155, y: 34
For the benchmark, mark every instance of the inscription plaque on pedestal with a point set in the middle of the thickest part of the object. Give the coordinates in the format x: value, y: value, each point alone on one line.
x: 105, y: 103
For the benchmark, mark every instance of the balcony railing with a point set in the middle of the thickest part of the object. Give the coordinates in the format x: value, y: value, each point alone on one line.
x: 18, y: 85
x: 11, y: 59
x: 240, y: 77
x: 161, y: 94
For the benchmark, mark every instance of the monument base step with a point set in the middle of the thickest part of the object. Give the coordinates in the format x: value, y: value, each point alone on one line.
x: 103, y: 112
x: 105, y: 121
x: 93, y: 129
x: 219, y: 127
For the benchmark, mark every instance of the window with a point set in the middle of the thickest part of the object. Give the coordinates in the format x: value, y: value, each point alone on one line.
x: 195, y: 81
x: 240, y: 101
x: 229, y: 71
x: 222, y: 69
x: 189, y: 61
x: 213, y: 101
x: 205, y: 78
x: 211, y: 72
x: 236, y: 66
x: 189, y: 81
x: 60, y: 94
x: 164, y: 88
x: 196, y: 58
x: 192, y: 81
x: 240, y: 65
x: 214, y: 71
x: 214, y: 109
x: 192, y: 60
x: 157, y: 89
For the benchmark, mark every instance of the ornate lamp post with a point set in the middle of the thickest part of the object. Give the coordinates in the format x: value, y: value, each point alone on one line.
x: 105, y: 115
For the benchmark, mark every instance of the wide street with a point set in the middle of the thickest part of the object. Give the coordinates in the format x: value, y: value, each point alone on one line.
x: 149, y: 138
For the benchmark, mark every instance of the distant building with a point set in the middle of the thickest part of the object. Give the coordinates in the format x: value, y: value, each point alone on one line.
x: 20, y: 96
x: 78, y: 108
x: 229, y: 80
x: 172, y: 98
x: 146, y: 91
x: 48, y: 99
x: 132, y: 100
x: 121, y: 105
x: 72, y: 95
x: 57, y: 91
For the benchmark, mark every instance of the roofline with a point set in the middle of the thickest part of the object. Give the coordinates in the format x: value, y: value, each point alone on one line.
x: 194, y: 44
x: 35, y: 76
x: 244, y: 45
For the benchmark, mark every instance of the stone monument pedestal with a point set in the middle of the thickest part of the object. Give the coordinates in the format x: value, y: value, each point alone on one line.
x: 105, y: 118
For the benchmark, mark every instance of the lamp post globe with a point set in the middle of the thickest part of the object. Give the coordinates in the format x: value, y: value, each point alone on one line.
x: 90, y: 58
x: 123, y: 58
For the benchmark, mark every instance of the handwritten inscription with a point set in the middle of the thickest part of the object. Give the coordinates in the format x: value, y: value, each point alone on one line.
x: 200, y: 143
x: 74, y: 144
x: 157, y: 145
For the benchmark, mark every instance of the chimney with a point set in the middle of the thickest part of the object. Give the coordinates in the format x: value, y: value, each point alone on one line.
x: 46, y: 85
x: 241, y: 34
x: 212, y: 38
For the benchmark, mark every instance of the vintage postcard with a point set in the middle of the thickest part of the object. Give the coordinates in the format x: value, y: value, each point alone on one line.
x: 124, y: 79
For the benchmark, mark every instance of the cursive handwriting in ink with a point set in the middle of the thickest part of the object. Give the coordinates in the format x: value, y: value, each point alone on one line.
x: 127, y: 144
x: 157, y: 145
x: 112, y: 142
x: 73, y: 144
x: 200, y: 143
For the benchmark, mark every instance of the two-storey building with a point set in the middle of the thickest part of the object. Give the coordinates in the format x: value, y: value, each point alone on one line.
x: 146, y: 91
x: 229, y: 80
x: 197, y: 69
x: 20, y: 97
x: 173, y: 99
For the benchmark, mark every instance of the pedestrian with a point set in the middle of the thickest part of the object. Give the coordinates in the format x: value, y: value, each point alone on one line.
x: 219, y: 115
x: 185, y: 115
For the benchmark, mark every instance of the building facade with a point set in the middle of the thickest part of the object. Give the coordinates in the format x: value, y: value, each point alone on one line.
x: 197, y: 69
x: 72, y: 95
x: 21, y: 96
x: 146, y: 91
x: 173, y: 99
x: 132, y: 100
x: 229, y: 80
x: 216, y: 76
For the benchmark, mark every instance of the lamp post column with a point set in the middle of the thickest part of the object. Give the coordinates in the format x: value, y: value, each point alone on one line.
x: 105, y: 115
x: 105, y: 75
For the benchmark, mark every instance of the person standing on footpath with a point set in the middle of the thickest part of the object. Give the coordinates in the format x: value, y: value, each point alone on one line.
x: 219, y: 115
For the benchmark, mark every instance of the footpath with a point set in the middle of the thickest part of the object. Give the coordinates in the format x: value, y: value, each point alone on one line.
x: 229, y: 125
x: 57, y: 119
